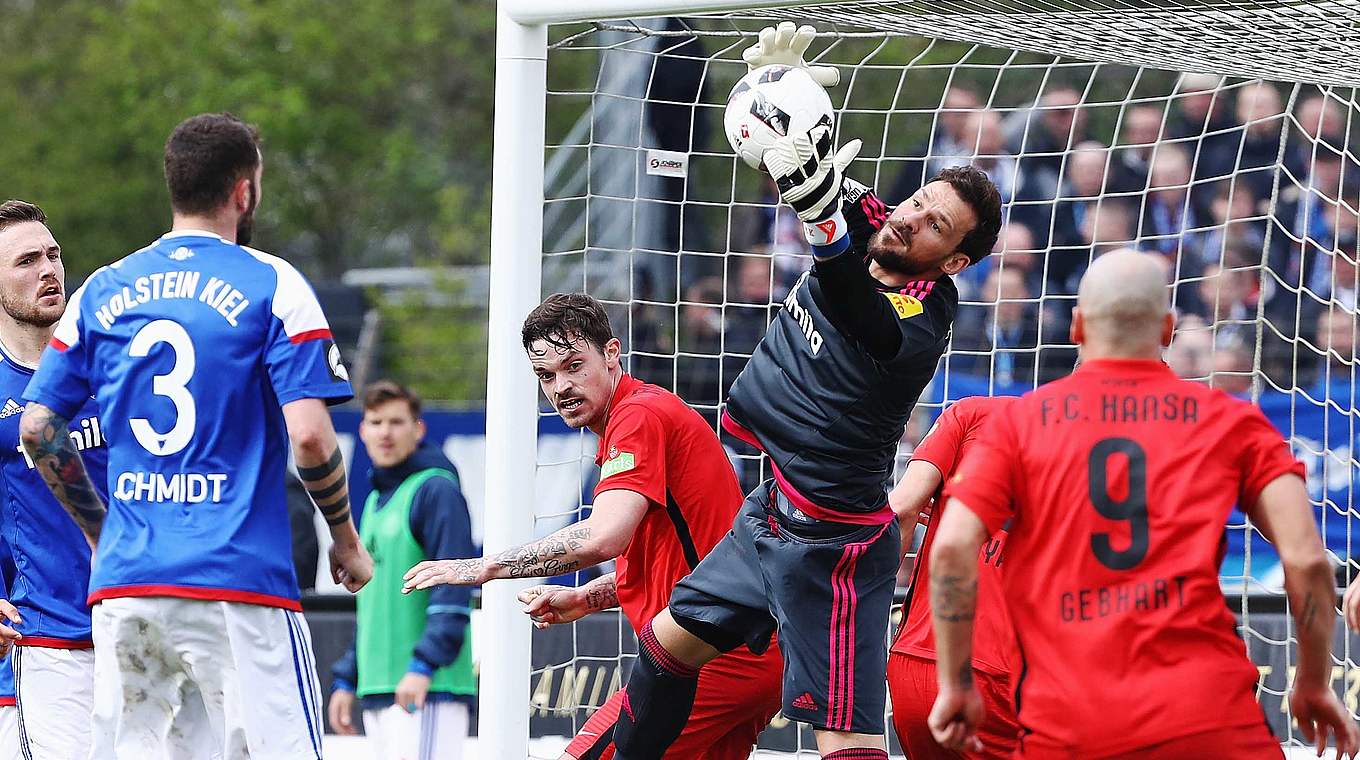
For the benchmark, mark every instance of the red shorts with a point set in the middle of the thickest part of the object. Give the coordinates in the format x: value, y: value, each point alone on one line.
x: 913, y: 686
x: 1252, y: 742
x: 737, y: 696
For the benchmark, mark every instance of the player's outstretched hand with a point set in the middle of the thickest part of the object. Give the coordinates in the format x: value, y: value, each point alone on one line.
x: 351, y: 566
x: 787, y: 45
x: 808, y: 174
x: 553, y: 605
x: 1318, y: 712
x: 435, y: 572
x: 7, y: 634
x: 340, y: 712
x: 1350, y: 605
x: 955, y: 718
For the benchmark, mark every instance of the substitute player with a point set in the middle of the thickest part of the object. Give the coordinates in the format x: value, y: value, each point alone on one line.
x: 666, y: 496
x: 814, y: 551
x: 203, y: 355
x: 1117, y: 481
x: 911, y: 660
x: 51, y: 567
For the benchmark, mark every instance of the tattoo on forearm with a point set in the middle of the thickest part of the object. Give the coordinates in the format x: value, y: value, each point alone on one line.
x: 548, y: 556
x: 329, y: 488
x: 48, y: 443
x: 966, y: 673
x: 602, y: 594
x: 953, y: 598
x: 1309, y: 612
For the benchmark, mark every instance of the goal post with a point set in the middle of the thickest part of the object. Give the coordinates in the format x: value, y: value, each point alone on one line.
x: 575, y: 208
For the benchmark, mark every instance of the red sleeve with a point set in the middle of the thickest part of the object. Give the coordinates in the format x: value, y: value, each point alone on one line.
x: 1264, y: 457
x: 941, y: 445
x: 986, y: 478
x: 635, y: 454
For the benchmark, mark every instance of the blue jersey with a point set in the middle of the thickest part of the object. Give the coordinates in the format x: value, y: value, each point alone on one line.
x: 51, y: 557
x: 191, y: 346
x: 6, y: 668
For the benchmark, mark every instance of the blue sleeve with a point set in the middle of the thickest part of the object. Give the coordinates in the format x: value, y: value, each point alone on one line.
x: 301, y: 356
x: 441, y: 525
x: 62, y: 381
x: 345, y: 671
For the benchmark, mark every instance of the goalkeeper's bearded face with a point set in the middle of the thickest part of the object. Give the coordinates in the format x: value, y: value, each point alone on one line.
x: 924, y: 232
x: 577, y: 378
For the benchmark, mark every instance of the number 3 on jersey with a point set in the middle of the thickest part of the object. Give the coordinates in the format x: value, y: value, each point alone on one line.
x: 171, y: 385
x: 1132, y: 508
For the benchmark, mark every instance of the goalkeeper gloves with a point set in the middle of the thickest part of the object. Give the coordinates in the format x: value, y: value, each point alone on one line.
x: 786, y: 45
x: 809, y: 179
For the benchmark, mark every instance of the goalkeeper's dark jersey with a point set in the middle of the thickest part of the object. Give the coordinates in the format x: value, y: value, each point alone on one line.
x: 812, y: 397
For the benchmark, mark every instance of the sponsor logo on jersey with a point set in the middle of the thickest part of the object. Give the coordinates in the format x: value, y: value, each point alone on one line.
x: 181, y: 254
x: 802, y: 316
x: 905, y: 306
x: 618, y: 461
x: 11, y: 408
x: 87, y: 435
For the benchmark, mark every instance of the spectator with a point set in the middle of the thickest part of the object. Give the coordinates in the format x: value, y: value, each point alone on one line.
x: 949, y: 144
x: 1080, y: 193
x: 1336, y: 339
x: 1190, y: 355
x: 1014, y: 249
x: 1203, y: 120
x: 699, y: 347
x: 748, y: 310
x: 998, y: 338
x: 1261, y: 113
x: 1223, y: 305
x: 1237, y: 224
x: 1232, y: 369
x: 411, y: 664
x: 1319, y: 220
x: 986, y: 149
x: 1056, y: 123
x: 1320, y: 123
x: 1169, y: 218
x: 1132, y: 160
x: 1345, y: 281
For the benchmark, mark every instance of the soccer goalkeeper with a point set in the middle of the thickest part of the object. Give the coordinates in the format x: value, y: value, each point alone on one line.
x: 813, y: 552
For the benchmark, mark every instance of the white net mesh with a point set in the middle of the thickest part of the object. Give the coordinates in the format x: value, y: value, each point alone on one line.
x: 1246, y: 188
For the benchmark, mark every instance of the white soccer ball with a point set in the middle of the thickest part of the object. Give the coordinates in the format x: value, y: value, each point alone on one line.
x: 771, y: 102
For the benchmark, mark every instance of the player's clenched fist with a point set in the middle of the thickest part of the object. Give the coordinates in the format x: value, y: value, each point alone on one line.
x: 955, y: 718
x: 351, y: 566
x: 454, y: 572
x: 553, y: 605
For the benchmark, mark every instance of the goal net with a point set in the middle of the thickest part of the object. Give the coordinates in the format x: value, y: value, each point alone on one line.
x: 1219, y: 137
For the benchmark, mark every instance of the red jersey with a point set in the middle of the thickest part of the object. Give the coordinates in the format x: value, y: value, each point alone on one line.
x: 1118, y: 481
x: 655, y: 445
x: 994, y: 649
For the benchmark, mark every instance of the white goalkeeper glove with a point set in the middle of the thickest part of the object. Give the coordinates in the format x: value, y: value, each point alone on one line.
x: 786, y: 45
x: 809, y: 179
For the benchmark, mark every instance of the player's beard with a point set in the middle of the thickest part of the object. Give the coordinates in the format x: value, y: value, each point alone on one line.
x: 30, y: 313
x: 892, y: 254
x: 245, y: 226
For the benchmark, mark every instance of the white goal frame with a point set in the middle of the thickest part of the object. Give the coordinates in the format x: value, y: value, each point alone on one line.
x: 516, y: 266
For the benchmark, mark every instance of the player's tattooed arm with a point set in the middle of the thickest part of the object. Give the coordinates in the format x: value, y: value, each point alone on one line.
x: 328, y: 486
x: 601, y: 593
x: 565, y: 551
x: 44, y: 435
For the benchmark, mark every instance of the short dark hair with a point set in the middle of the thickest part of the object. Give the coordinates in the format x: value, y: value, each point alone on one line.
x: 977, y: 190
x: 565, y: 317
x: 15, y: 211
x: 380, y: 392
x: 204, y: 158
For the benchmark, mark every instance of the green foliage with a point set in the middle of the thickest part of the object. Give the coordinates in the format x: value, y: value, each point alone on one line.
x: 436, y: 343
x: 376, y: 119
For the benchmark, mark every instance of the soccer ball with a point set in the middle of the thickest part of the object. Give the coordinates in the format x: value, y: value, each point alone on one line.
x: 771, y: 102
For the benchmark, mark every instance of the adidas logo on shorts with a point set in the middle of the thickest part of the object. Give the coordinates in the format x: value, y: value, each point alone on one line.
x: 805, y: 702
x: 10, y: 408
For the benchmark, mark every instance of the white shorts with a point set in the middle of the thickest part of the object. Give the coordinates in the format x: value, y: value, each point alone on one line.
x: 54, y: 689
x: 9, y: 733
x: 438, y: 730
x: 190, y: 679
